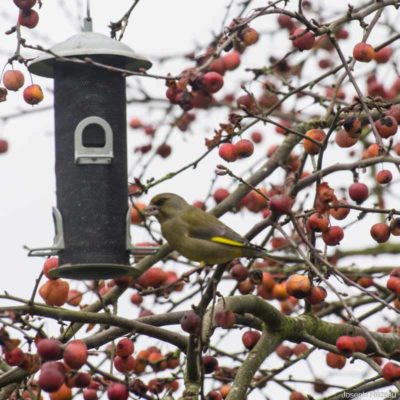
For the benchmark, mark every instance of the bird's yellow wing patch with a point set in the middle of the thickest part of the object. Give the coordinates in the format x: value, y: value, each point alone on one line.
x: 224, y: 240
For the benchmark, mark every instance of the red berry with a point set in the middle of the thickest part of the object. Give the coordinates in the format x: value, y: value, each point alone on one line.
x: 384, y: 176
x: 358, y: 192
x: 75, y: 354
x: 257, y: 137
x: 154, y: 277
x: 156, y: 386
x: 336, y: 361
x: 380, y: 232
x: 391, y: 372
x: 214, y: 395
x: 302, y: 39
x: 246, y: 286
x: 54, y: 292
x: 164, y: 150
x: 49, y: 349
x: 136, y: 298
x: 135, y: 123
x: 50, y: 264
x: 281, y: 204
x: 33, y: 94
x: 285, y: 21
x: 352, y: 126
x: 363, y: 52
x: 324, y: 63
x: 342, y: 33
x: 345, y: 344
x: 284, y: 352
x: 316, y: 295
x: 386, y: 126
x: 74, y: 297
x: 124, y: 364
x: 393, y: 284
x: 365, y: 281
x: 138, y: 387
x: 24, y: 4
x: 317, y: 135
x: 245, y: 101
x: 201, y: 99
x: 249, y: 36
x: 344, y: 140
x: 191, y: 322
x: 279, y: 291
x: 298, y: 286
x: 300, y: 349
x: 52, y: 376
x: 256, y: 201
x: 250, y: 339
x: 210, y: 364
x: 373, y: 150
x: 14, y: 357
x: 89, y: 394
x: 395, y: 227
x: 218, y: 66
x: 297, y: 396
x: 394, y: 111
x: 82, y: 379
x: 28, y: 18
x: 267, y: 280
x: 231, y: 60
x: 318, y: 222
x: 227, y: 152
x: 117, y: 391
x: 239, y: 272
x: 333, y: 235
x: 360, y: 343
x: 224, y: 319
x: 244, y: 148
x: 383, y: 55
x: 158, y: 362
x: 124, y: 348
x: 3, y: 146
x: 220, y: 195
x: 339, y: 213
x: 212, y: 81
x: 13, y: 80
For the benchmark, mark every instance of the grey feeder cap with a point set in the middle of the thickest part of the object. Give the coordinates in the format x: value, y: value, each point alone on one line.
x: 88, y: 44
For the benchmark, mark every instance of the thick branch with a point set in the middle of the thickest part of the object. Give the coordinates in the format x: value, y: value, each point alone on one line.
x: 264, y: 347
x: 106, y: 319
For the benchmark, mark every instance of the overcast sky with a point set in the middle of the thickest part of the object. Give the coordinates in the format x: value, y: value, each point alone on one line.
x: 157, y: 28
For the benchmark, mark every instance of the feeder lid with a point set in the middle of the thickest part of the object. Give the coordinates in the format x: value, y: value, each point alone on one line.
x: 87, y: 44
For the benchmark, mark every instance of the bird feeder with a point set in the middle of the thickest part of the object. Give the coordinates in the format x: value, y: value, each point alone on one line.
x: 92, y: 217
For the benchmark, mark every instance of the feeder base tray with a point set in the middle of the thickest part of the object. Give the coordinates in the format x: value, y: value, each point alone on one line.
x: 93, y: 271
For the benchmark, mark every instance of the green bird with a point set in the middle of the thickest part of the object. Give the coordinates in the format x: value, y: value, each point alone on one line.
x: 198, y: 235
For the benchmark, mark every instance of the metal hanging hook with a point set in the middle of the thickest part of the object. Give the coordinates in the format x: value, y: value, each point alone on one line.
x: 88, y: 22
x: 88, y: 10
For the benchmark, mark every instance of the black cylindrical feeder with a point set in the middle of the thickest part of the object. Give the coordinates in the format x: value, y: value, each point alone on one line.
x: 92, y: 216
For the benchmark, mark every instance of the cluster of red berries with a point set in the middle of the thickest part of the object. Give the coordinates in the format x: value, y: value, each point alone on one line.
x: 14, y: 79
x: 195, y: 89
x: 241, y: 149
x: 27, y: 17
x: 287, y: 292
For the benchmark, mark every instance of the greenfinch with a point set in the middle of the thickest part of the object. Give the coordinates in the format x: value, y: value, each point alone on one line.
x: 198, y: 235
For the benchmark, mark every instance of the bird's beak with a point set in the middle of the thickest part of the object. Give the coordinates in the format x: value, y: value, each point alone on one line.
x: 151, y: 211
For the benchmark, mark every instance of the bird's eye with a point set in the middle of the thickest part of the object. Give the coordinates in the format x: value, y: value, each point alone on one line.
x: 159, y: 202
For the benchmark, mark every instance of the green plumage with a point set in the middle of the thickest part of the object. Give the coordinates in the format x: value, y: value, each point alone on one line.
x: 197, y: 235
